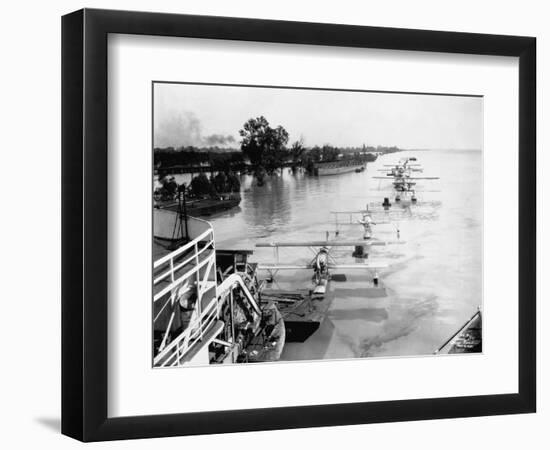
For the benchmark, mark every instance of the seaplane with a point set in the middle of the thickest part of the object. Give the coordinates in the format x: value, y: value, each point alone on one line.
x: 403, y: 182
x: 367, y: 219
x: 323, y: 263
x: 402, y: 167
x: 404, y: 187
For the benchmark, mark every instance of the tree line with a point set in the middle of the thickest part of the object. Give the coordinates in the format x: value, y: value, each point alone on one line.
x: 200, y: 186
x: 263, y: 147
x: 194, y: 156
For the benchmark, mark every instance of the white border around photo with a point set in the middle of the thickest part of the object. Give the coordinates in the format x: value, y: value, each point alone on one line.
x: 136, y: 389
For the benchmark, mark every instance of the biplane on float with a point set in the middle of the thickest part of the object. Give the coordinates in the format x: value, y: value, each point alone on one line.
x: 367, y: 218
x: 403, y: 183
x: 323, y: 263
x: 404, y: 165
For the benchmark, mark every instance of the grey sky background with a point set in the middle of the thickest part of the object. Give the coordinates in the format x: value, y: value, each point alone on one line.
x: 203, y: 115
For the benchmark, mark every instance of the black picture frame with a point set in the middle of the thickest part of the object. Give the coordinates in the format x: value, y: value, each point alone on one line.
x: 84, y: 224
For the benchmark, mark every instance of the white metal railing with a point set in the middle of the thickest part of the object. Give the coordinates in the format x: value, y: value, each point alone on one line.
x: 175, y: 353
x: 194, y: 265
x: 178, y: 349
x: 207, y: 235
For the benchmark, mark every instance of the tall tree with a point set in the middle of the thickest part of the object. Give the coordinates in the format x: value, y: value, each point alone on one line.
x: 297, y: 151
x: 262, y: 144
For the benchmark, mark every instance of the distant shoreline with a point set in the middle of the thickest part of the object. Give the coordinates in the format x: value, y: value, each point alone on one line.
x: 456, y: 150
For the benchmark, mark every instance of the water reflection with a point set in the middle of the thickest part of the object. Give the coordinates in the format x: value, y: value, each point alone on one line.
x: 269, y: 207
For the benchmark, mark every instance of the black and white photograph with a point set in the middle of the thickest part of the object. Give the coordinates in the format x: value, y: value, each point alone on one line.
x: 302, y: 224
x: 275, y: 225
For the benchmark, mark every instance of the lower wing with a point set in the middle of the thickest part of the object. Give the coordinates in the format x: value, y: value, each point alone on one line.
x: 365, y: 265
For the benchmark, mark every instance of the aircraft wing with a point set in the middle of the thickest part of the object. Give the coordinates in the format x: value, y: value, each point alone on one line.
x: 401, y: 165
x: 359, y: 211
x: 378, y: 242
x: 312, y: 244
x: 388, y: 242
x: 357, y: 224
x: 406, y: 179
x: 364, y: 265
x: 283, y: 266
x: 371, y: 211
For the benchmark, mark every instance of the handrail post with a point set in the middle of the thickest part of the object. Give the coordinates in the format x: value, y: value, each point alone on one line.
x: 172, y: 269
x: 199, y: 290
x: 232, y: 317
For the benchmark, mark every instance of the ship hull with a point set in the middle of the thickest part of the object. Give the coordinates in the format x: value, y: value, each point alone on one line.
x: 468, y: 339
x: 205, y: 207
x: 337, y: 170
x: 301, y: 330
x: 302, y: 314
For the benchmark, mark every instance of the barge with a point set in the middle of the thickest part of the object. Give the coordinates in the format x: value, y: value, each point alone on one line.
x: 169, y: 216
x: 203, y: 206
x: 338, y: 167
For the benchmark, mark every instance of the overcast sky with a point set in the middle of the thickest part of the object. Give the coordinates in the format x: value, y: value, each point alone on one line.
x: 203, y: 115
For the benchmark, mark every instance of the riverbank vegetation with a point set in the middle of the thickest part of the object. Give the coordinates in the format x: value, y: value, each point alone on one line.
x: 264, y: 150
x: 201, y: 186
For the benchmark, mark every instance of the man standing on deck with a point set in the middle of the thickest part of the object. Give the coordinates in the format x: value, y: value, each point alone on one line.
x: 367, y: 222
x: 320, y: 266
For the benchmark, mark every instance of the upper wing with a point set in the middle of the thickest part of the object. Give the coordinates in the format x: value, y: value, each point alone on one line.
x: 401, y: 165
x: 406, y: 179
x: 359, y: 211
x: 388, y: 242
x: 363, y: 265
x: 283, y: 266
x: 312, y: 244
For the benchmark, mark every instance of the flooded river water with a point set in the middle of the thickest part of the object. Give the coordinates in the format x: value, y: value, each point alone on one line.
x: 434, y: 281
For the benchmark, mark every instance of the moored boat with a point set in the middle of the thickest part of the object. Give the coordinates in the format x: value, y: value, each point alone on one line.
x: 302, y: 313
x: 169, y: 217
x: 467, y: 339
x: 338, y: 167
x: 204, y: 206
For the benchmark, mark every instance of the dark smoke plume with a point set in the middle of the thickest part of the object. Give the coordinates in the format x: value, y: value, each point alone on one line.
x: 185, y: 129
x: 218, y: 139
